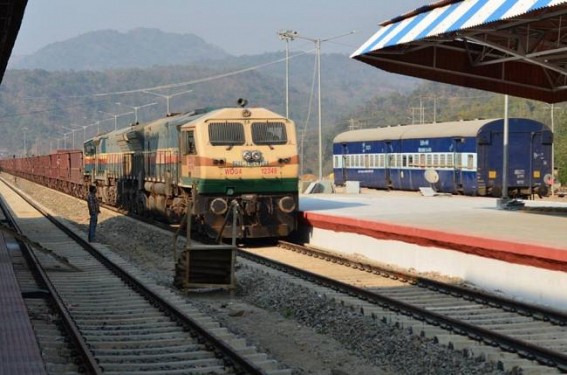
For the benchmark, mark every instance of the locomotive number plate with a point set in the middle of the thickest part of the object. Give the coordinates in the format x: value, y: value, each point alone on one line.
x: 233, y: 171
x: 269, y: 170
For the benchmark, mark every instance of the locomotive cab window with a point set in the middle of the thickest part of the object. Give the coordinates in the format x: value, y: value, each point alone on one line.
x: 269, y: 133
x: 90, y: 148
x: 226, y: 133
x: 189, y: 143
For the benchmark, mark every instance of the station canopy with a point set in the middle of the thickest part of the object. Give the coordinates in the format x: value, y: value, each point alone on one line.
x: 515, y: 47
x: 11, y: 15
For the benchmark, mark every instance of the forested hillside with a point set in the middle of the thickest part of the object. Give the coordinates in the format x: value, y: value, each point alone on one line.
x: 42, y: 106
x: 74, y: 87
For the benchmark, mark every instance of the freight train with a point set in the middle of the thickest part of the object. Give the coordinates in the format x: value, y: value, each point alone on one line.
x: 208, y: 159
x: 462, y: 157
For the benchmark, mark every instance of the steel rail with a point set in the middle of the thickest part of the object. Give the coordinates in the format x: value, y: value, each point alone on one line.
x: 522, y: 348
x: 241, y: 364
x: 536, y: 312
x: 89, y: 363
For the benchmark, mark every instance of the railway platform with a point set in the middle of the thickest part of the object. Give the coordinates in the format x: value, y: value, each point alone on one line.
x: 19, y: 351
x: 520, y: 253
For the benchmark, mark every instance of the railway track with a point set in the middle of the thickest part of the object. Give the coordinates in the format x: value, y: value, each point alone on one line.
x: 516, y: 335
x: 119, y: 320
x: 402, y: 296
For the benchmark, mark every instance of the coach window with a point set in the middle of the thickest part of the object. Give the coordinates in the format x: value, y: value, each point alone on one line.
x: 450, y: 163
x: 470, y: 161
x: 189, y: 143
x: 429, y: 162
x: 458, y: 159
x: 442, y: 161
x: 436, y: 160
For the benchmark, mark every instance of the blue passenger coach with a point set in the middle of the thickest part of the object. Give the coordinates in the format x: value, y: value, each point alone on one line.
x: 462, y: 157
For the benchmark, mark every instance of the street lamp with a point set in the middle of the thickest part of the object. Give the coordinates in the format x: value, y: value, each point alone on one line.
x: 287, y: 36
x: 116, y: 117
x: 318, y: 51
x: 75, y: 128
x: 135, y: 108
x: 167, y: 97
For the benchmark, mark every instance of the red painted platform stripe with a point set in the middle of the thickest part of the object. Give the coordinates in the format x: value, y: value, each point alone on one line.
x: 512, y: 252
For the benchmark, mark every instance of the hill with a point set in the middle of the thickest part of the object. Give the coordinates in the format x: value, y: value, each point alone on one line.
x: 47, y: 106
x: 110, y: 49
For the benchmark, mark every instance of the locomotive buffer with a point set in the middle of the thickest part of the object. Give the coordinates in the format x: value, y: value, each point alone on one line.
x: 205, y: 266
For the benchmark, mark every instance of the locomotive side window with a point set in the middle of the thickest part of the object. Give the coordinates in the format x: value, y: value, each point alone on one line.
x: 269, y: 133
x: 226, y: 133
x: 189, y: 143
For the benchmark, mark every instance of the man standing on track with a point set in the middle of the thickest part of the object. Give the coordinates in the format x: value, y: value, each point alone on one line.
x: 94, y: 210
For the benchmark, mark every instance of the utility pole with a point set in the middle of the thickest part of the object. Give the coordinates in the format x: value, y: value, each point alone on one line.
x: 287, y: 36
x: 318, y: 42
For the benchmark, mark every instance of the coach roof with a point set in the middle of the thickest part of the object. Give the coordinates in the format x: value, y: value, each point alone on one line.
x: 441, y: 129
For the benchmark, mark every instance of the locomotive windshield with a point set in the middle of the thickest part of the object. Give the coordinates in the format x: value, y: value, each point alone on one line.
x: 226, y: 133
x: 90, y: 148
x: 269, y: 133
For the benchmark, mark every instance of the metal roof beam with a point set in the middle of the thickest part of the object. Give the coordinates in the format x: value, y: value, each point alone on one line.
x: 434, y: 68
x: 526, y: 58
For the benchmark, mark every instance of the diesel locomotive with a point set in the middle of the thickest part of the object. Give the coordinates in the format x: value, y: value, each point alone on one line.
x: 207, y: 159
x: 462, y: 157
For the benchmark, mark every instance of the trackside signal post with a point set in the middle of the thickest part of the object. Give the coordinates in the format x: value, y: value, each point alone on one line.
x: 206, y: 266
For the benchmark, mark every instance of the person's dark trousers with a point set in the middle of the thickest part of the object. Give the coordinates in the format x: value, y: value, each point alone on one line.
x: 92, y: 227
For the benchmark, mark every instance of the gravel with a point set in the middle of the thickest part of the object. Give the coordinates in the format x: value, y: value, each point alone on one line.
x: 303, y: 330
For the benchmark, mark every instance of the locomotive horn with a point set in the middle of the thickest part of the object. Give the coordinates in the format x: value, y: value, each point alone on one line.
x: 242, y: 102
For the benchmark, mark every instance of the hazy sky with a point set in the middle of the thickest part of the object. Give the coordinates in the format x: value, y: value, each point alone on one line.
x: 239, y: 27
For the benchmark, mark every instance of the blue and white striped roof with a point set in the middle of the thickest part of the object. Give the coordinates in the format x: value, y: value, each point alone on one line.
x: 450, y: 17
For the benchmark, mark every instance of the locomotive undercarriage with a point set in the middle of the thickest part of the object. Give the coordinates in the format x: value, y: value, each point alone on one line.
x: 541, y: 190
x: 259, y: 216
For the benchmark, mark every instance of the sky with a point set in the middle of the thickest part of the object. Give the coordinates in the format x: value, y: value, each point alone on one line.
x: 243, y: 27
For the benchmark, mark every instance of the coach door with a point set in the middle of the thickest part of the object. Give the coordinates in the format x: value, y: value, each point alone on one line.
x: 457, y: 164
x: 540, y: 173
x: 389, y: 159
x: 188, y: 152
x: 344, y: 162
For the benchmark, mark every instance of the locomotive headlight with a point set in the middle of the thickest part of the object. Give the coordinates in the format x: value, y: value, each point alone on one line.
x: 287, y: 204
x: 218, y: 206
x: 256, y: 155
x: 247, y: 155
